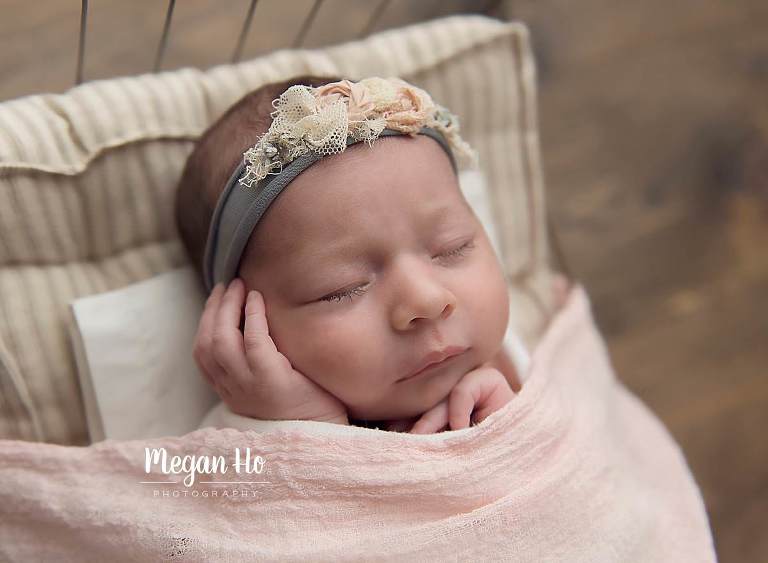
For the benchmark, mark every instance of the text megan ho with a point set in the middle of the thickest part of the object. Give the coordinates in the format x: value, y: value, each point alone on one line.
x: 191, y: 465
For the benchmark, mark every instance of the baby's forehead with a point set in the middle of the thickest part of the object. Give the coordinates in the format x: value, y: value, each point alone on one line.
x: 394, y: 188
x: 301, y: 250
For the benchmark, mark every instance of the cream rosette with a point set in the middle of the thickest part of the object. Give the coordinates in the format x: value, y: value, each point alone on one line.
x: 321, y: 119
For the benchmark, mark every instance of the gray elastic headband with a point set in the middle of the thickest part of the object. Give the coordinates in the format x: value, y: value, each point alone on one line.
x: 239, y: 210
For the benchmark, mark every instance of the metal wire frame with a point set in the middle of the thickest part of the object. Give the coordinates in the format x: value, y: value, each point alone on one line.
x: 242, y: 37
x: 164, y: 38
x: 244, y: 32
x: 378, y: 10
x: 81, y: 42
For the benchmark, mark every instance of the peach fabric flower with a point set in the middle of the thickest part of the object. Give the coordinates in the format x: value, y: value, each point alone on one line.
x: 321, y: 119
x: 360, y: 102
x: 415, y: 108
x: 404, y: 106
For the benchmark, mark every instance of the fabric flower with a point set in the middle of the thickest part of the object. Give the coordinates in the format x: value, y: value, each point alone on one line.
x: 359, y: 101
x: 382, y: 91
x: 320, y: 120
x: 412, y: 115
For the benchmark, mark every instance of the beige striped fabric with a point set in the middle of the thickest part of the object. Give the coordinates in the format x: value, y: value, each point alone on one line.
x: 87, y: 186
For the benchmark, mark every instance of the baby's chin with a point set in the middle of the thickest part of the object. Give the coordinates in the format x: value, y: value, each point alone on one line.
x: 411, y: 398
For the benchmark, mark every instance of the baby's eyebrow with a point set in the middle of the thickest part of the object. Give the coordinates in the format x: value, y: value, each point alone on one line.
x: 351, y: 246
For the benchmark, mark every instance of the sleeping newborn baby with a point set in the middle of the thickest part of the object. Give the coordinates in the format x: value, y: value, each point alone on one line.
x: 368, y: 292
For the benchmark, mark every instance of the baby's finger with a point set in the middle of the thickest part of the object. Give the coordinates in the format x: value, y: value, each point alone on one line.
x: 484, y: 389
x: 502, y: 393
x: 432, y: 421
x: 261, y: 353
x: 225, y: 386
x: 209, y: 370
x: 460, y: 405
x: 203, y: 344
x: 228, y: 347
x: 214, y: 374
x: 470, y: 391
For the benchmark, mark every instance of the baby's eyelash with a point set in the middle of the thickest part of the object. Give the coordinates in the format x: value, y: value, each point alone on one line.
x: 350, y: 293
x: 342, y: 294
x: 460, y: 251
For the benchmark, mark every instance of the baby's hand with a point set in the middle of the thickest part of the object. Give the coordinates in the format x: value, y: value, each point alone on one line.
x: 483, y: 390
x: 248, y: 372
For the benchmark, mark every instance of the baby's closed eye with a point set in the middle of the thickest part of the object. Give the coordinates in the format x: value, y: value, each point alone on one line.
x: 452, y: 254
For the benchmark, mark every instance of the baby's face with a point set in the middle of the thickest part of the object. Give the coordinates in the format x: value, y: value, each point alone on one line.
x: 368, y: 261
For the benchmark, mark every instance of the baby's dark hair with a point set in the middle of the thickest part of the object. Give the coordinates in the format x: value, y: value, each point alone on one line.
x: 215, y: 156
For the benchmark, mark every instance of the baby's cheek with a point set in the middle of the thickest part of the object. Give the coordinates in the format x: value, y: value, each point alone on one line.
x: 333, y: 354
x: 490, y: 298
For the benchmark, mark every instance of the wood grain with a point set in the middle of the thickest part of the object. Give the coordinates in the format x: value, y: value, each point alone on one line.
x: 655, y: 144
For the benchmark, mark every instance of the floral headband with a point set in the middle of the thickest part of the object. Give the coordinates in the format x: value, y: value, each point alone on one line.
x: 308, y: 124
x: 320, y: 119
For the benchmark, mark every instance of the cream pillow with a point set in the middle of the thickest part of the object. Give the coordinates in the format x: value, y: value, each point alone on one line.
x: 88, y: 178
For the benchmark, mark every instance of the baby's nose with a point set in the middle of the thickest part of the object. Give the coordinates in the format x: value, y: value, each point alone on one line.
x: 427, y: 300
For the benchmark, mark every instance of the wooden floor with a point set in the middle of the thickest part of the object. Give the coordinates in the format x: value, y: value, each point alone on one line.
x: 654, y: 121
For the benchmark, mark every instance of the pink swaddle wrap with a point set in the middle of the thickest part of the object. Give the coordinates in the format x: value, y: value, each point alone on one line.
x: 574, y: 468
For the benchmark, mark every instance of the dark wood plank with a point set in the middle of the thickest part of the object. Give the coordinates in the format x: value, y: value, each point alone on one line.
x: 655, y: 143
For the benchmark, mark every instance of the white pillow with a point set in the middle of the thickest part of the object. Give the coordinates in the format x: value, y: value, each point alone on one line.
x: 133, y: 348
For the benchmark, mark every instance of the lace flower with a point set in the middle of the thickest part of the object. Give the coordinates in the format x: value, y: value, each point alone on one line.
x: 320, y: 120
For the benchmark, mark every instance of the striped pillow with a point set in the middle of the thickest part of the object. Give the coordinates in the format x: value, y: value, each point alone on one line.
x: 87, y: 180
